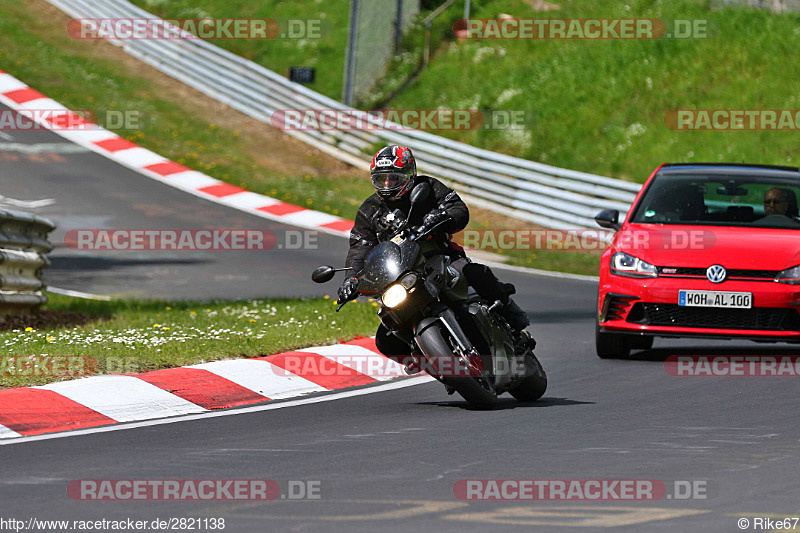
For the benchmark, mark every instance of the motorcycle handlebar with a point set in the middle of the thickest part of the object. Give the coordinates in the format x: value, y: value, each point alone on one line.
x: 421, y: 231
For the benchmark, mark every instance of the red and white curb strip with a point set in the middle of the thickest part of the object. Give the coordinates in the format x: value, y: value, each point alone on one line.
x: 111, y: 399
x: 18, y: 96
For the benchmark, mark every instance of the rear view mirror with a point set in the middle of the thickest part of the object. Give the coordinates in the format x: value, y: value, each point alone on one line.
x: 731, y: 189
x: 608, y: 218
x: 420, y: 192
x: 323, y: 274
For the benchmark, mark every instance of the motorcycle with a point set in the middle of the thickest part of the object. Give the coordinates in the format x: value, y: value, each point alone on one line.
x: 458, y: 337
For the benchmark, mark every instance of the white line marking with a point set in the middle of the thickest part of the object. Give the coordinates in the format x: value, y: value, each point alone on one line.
x: 78, y: 294
x: 400, y: 384
x: 59, y: 148
x: 123, y: 398
x: 26, y: 204
x: 6, y: 136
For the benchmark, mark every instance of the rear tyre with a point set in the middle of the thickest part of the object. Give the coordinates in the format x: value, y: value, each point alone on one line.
x: 534, y: 385
x: 611, y: 345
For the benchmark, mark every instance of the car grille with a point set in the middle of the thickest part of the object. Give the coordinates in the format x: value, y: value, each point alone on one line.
x: 733, y: 273
x: 764, y: 318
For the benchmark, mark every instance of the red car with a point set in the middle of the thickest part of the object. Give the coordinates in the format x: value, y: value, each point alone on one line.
x: 707, y: 250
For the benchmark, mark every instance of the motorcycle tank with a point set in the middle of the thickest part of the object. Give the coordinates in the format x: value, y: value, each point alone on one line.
x: 385, y: 263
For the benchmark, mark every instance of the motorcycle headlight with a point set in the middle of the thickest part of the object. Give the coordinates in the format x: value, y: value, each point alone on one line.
x: 790, y: 276
x: 394, y: 296
x: 623, y: 264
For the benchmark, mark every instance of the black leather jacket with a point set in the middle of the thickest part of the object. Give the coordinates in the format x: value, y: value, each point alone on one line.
x: 366, y: 234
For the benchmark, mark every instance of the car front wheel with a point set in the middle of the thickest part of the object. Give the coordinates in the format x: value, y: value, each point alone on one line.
x: 611, y: 345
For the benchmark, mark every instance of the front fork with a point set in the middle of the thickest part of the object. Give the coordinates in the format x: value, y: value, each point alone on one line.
x: 433, y: 346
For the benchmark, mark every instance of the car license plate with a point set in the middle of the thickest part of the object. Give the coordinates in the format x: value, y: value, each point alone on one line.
x: 736, y: 300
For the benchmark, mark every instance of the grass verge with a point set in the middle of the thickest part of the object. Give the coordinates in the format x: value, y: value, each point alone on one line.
x: 125, y: 336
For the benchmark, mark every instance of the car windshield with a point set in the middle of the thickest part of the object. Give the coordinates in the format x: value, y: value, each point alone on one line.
x: 721, y: 200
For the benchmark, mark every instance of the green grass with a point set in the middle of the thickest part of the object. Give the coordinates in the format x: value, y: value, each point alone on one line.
x: 138, y: 336
x: 601, y: 105
x: 325, y: 54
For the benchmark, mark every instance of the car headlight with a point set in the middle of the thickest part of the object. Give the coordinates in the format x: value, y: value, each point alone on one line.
x: 394, y: 296
x: 790, y: 276
x: 623, y: 264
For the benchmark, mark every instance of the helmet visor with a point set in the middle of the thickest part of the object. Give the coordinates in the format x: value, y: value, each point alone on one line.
x: 389, y: 180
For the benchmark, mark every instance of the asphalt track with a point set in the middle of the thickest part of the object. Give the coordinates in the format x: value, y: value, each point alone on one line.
x: 388, y: 461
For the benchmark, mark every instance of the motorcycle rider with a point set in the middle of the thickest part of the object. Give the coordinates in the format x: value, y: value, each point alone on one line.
x: 394, y: 175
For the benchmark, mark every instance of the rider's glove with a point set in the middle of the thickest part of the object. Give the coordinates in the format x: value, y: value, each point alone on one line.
x: 349, y: 290
x: 434, y: 217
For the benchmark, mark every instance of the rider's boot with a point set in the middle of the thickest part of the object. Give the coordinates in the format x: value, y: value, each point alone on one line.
x: 514, y: 315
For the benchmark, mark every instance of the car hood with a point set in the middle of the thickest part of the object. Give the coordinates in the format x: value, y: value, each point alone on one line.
x: 702, y: 246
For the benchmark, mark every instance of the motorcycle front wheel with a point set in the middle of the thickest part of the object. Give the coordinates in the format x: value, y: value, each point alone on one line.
x: 533, y: 386
x: 477, y: 391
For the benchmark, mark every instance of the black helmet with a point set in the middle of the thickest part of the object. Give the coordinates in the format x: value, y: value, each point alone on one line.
x: 393, y: 170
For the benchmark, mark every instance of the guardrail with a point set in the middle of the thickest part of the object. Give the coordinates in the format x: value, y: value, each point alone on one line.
x: 542, y: 194
x: 23, y: 249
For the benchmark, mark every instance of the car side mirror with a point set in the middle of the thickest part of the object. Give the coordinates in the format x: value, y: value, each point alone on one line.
x: 608, y: 218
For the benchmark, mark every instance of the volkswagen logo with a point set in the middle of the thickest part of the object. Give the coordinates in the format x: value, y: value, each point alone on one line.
x: 716, y: 273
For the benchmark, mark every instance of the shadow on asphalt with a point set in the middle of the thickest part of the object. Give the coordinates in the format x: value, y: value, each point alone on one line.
x: 569, y: 315
x: 510, y: 403
x: 659, y: 355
